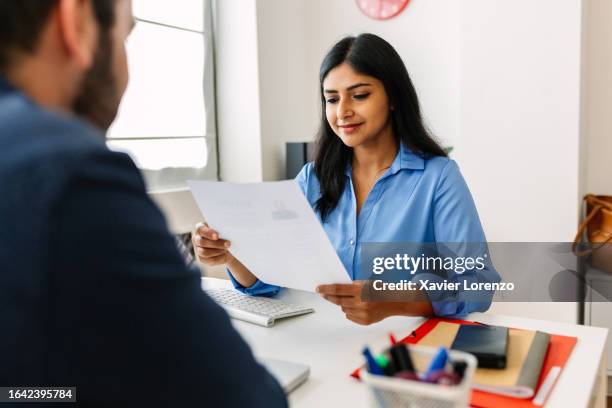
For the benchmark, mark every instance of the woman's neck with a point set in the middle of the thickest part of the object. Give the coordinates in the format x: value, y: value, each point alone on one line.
x: 376, y: 155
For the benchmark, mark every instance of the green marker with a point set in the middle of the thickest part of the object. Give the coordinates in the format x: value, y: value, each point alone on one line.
x: 382, y: 360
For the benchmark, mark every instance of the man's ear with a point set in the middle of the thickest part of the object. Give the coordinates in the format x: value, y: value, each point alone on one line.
x: 78, y: 30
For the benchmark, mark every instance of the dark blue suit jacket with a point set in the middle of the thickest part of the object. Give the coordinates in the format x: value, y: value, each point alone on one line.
x: 93, y: 291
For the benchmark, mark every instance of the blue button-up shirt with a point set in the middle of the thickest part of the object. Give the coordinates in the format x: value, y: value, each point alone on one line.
x: 416, y: 200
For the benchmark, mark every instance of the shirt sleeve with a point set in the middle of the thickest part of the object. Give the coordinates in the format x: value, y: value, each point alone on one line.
x: 456, y: 224
x: 128, y: 321
x: 259, y: 288
x: 303, y: 177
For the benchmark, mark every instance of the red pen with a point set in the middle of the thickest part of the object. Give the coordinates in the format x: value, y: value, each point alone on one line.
x: 392, y: 339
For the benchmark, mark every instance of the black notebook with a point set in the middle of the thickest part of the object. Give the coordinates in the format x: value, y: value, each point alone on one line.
x: 488, y: 343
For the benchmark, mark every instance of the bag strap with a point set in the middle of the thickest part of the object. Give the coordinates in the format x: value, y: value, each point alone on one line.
x: 598, y: 206
x: 583, y: 225
x: 595, y: 200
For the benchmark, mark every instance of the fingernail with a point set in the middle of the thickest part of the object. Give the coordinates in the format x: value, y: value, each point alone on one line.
x: 215, y: 236
x: 228, y: 244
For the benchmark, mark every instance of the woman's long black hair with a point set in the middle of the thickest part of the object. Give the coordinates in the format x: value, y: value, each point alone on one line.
x: 369, y: 55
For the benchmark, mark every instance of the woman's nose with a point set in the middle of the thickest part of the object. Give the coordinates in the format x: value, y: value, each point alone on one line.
x: 344, y: 110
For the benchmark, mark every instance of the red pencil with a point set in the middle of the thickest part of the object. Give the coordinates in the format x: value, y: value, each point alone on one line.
x: 392, y: 339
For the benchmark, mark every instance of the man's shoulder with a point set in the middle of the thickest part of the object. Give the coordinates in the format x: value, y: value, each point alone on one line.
x: 45, y: 151
x: 27, y: 128
x: 35, y: 139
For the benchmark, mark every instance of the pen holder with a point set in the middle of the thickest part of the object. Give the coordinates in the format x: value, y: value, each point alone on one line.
x: 396, y: 392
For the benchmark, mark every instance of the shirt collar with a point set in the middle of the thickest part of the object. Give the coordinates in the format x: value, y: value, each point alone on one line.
x: 405, y: 159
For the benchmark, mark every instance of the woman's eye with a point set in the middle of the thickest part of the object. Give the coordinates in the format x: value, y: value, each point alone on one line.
x: 331, y: 100
x: 361, y: 96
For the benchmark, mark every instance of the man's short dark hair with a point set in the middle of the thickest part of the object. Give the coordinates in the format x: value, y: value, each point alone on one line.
x: 22, y: 21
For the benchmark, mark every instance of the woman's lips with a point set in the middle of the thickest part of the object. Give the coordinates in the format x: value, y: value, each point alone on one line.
x: 348, y: 129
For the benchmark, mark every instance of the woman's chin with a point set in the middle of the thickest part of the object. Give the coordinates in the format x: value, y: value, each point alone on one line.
x: 351, y: 141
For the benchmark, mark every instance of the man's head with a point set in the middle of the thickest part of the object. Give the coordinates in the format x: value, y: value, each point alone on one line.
x: 68, y: 54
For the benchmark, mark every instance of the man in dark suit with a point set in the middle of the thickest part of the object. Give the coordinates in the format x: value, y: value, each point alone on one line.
x: 93, y: 291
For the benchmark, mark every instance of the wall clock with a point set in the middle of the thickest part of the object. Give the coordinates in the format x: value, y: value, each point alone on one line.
x: 382, y: 9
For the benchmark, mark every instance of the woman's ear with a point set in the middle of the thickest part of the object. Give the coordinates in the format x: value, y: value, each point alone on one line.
x: 78, y: 30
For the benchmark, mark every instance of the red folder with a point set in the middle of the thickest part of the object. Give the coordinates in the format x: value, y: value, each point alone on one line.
x: 558, y: 352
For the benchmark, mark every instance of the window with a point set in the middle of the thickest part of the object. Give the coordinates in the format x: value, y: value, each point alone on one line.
x: 166, y: 121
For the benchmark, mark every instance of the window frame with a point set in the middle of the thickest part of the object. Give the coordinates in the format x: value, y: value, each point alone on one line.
x: 211, y: 170
x: 177, y: 204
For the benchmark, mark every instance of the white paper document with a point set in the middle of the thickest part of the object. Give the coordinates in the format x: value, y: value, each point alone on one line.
x: 273, y: 230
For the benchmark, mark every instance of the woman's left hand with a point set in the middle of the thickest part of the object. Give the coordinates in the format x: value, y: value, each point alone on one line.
x: 349, y: 298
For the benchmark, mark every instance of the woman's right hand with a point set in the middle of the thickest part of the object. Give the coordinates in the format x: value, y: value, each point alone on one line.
x: 210, y: 249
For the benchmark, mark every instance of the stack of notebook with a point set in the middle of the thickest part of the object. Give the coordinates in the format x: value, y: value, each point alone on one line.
x: 525, y: 354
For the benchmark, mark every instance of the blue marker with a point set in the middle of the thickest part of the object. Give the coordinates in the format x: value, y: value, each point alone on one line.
x: 373, y: 366
x: 438, y: 362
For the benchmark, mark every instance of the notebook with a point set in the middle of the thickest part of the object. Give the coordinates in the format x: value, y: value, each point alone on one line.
x: 525, y: 357
x: 489, y: 344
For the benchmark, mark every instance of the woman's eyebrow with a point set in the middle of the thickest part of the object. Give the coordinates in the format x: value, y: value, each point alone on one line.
x: 350, y: 88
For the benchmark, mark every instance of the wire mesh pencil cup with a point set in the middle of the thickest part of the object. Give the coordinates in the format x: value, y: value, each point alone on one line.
x: 390, y: 392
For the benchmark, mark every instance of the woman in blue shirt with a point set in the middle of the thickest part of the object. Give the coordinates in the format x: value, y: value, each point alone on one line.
x: 378, y: 176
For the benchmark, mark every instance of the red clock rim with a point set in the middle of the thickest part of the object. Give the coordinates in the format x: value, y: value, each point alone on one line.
x: 357, y: 2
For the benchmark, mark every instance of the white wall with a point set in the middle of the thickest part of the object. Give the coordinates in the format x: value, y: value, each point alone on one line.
x: 287, y: 100
x: 237, y: 80
x: 597, y: 99
x: 520, y: 116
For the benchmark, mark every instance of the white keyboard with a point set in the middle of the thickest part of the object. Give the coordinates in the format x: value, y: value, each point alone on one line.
x: 255, y: 309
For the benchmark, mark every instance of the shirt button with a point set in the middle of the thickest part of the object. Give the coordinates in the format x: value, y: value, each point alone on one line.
x: 352, y: 242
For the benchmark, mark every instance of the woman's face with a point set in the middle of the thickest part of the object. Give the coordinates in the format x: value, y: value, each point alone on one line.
x: 356, y: 106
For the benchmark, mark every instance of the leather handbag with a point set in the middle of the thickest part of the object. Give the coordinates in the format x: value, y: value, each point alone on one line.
x: 598, y: 227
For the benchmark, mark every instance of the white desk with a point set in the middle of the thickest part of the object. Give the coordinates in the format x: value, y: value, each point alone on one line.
x: 331, y: 345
